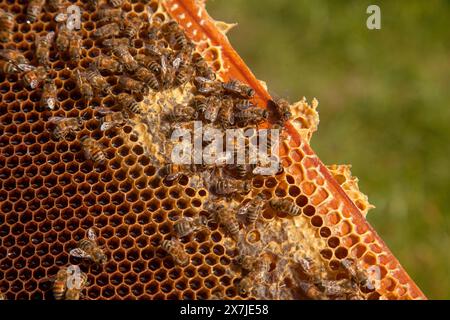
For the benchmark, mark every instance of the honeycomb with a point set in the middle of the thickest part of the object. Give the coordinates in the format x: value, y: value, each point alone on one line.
x: 50, y: 194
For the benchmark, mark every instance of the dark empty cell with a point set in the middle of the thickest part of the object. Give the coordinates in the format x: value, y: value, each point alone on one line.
x: 42, y: 249
x: 49, y: 181
x: 301, y: 200
x: 89, y: 200
x: 64, y: 236
x: 103, y: 199
x: 51, y: 237
x: 93, y: 292
x: 45, y: 226
x: 47, y: 261
x: 14, y: 195
x: 127, y: 243
x: 61, y: 202
x: 59, y: 225
x: 73, y: 224
x: 9, y: 97
x: 317, y: 221
x: 116, y: 279
x: 147, y: 253
x: 56, y: 192
x: 6, y: 119
x: 117, y: 221
x: 20, y: 206
x: 325, y: 232
x: 101, y: 222
x: 130, y: 219
x: 108, y: 291
x: 124, y: 267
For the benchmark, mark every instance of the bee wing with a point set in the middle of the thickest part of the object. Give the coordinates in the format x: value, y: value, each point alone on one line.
x: 150, y: 14
x: 6, y: 54
x: 164, y: 63
x: 55, y: 119
x: 79, y: 253
x: 91, y: 234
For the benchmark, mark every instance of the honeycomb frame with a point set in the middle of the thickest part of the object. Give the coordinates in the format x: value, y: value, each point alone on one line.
x: 50, y: 195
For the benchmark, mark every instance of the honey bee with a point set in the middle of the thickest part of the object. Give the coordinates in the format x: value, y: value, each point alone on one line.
x: 75, y: 46
x: 149, y: 62
x: 54, y: 5
x: 34, y: 9
x: 89, y: 249
x: 251, y: 116
x: 111, y: 119
x: 93, y: 150
x: 280, y: 110
x: 247, y: 263
x: 65, y: 126
x: 311, y: 291
x: 176, y: 250
x: 85, y: 88
x: 227, y: 218
x: 116, y: 3
x: 132, y: 27
x: 243, y: 104
x: 16, y: 56
x: 179, y: 113
x: 202, y: 69
x: 226, y: 187
x: 104, y: 62
x: 66, y: 284
x: 48, y: 97
x: 127, y: 102
x: 253, y: 208
x: 62, y: 38
x: 146, y: 76
x: 97, y: 81
x: 154, y: 24
x: 125, y: 58
x: 107, y: 14
x: 6, y: 25
x: 186, y: 225
x: 132, y: 85
x: 285, y: 205
x: 107, y: 31
x: 2, y: 296
x: 357, y: 275
x: 209, y: 107
x: 43, y: 45
x: 34, y: 77
x: 167, y: 73
x: 245, y: 286
x: 238, y: 88
x: 170, y: 27
x: 309, y: 267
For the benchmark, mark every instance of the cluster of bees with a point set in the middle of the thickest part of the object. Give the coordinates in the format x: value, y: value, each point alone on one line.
x: 170, y: 62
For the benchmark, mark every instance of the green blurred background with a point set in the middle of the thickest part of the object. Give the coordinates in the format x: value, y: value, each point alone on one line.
x: 384, y: 106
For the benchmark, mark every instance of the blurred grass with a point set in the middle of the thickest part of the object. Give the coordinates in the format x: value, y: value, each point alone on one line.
x: 384, y: 106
